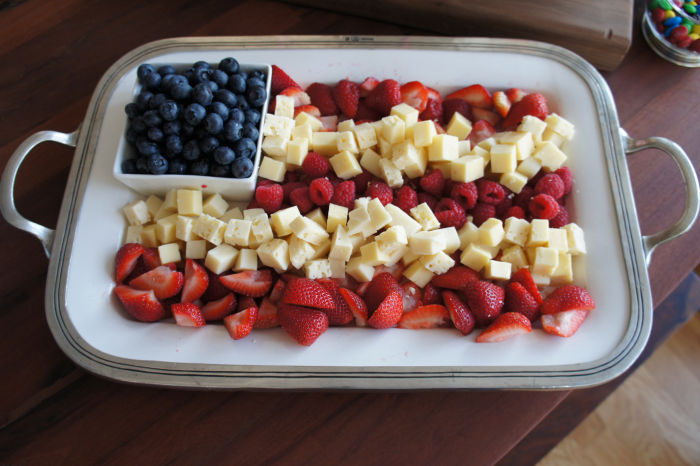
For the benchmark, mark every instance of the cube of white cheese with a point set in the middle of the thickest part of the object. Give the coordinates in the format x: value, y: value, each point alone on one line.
x: 549, y: 156
x: 299, y: 252
x: 260, y: 230
x: 304, y: 118
x: 209, y: 228
x: 372, y: 255
x: 278, y: 125
x: 575, y: 239
x: 337, y: 216
x: 516, y: 256
x: 401, y: 218
x: 529, y: 167
x: 532, y: 125
x: 317, y: 216
x: 393, y: 129
x: 272, y: 169
x: 503, y: 158
x: 497, y: 270
x: 514, y: 181
x: 539, y: 233
x: 516, y: 230
x: 558, y: 239
x: 284, y: 106
x: 133, y: 234
x: 475, y: 257
x: 522, y: 140
x: 418, y: 274
x: 166, y: 229
x: 220, y: 258
x: 136, y: 213
x: 425, y: 217
x: 238, y: 232
x: 189, y: 202
x: 459, y: 126
x: 378, y: 215
x: 546, y: 261
x: 169, y: 253
x: 274, y: 253
x: 308, y: 230
x: 390, y: 173
x: 408, y: 114
x: 491, y: 232
x: 564, y: 273
x: 452, y: 240
x: 196, y: 249
x: 282, y: 219
x: 370, y: 162
x: 236, y: 213
x: 153, y: 204
x: 215, y: 205
x: 365, y: 135
x: 427, y: 242
x: 359, y: 270
x: 345, y: 165
x: 275, y: 147
x: 184, y: 228
x: 423, y: 133
x: 443, y: 148
x: 297, y: 150
x: 560, y: 125
x: 247, y: 259
x: 359, y: 222
x: 467, y: 168
x: 341, y: 246
x: 437, y: 263
x: 469, y: 233
x: 325, y: 142
x: 346, y: 142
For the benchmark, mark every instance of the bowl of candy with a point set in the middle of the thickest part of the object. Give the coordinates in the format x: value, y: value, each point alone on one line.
x: 672, y: 30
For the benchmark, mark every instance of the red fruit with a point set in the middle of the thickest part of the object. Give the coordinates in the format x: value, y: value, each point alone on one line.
x: 466, y: 194
x: 361, y: 182
x: 450, y: 214
x: 365, y: 114
x: 461, y: 316
x: 329, y: 122
x: 501, y: 103
x: 503, y: 207
x: 561, y: 219
x: 543, y: 206
x: 270, y: 197
x: 164, y: 282
x: 524, y: 277
x: 300, y: 97
x: 481, y: 130
x: 487, y: 115
x: 456, y: 278
x: 379, y: 288
x: 485, y: 300
x: 384, y: 96
x: 482, y: 212
x: 566, y: 298
x: 240, y: 324
x: 216, y: 289
x: 300, y: 197
x: 291, y: 186
x: 321, y: 191
x: 476, y: 95
x: 514, y: 211
x: 267, y: 314
x: 433, y: 109
x: 277, y: 290
x: 196, y: 281
x: 406, y: 198
x: 452, y: 106
x: 415, y: 94
x: 567, y: 177
x: 505, y: 326
x: 356, y: 305
x: 341, y: 314
x: 515, y: 95
x: 395, y: 270
x: 368, y: 86
x: 430, y: 316
x: 315, y: 165
x: 142, y: 305
x: 533, y: 181
x: 389, y: 311
x: 344, y: 194
x: 550, y: 184
x: 280, y: 80
x: 217, y: 310
x: 321, y: 95
x: 253, y: 204
x: 303, y: 324
x: 310, y: 109
x: 187, y: 315
x: 433, y: 183
x: 309, y: 293
x: 518, y: 299
x: 431, y: 295
x: 428, y: 199
x: 564, y: 324
x: 412, y: 296
x: 347, y: 96
x: 490, y: 192
x: 522, y: 199
x: 381, y: 191
x: 151, y: 259
x: 253, y: 283
x: 532, y: 104
x: 126, y: 259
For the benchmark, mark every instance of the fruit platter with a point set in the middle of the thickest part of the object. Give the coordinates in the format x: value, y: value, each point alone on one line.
x: 350, y: 212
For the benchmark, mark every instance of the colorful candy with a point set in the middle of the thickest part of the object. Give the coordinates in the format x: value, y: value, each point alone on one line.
x: 677, y: 20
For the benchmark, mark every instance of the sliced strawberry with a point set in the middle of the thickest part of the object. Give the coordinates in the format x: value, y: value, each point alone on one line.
x: 249, y: 282
x: 217, y: 310
x: 567, y: 298
x: 433, y: 109
x: 310, y: 109
x: 277, y: 290
x: 309, y: 293
x: 368, y: 86
x: 415, y: 94
x: 518, y: 299
x: 532, y: 104
x: 379, y: 287
x: 505, y: 326
x: 430, y: 316
x: 476, y: 95
x: 461, y: 316
x: 300, y: 97
x: 216, y: 289
x: 384, y: 96
x: 126, y: 259
x: 431, y: 295
x: 267, y: 314
x: 412, y: 296
x: 303, y: 324
x: 187, y: 315
x: 389, y: 311
x: 395, y: 270
x: 481, y: 130
x: 501, y: 103
x: 456, y: 278
x: 356, y: 305
x: 151, y: 258
x: 364, y: 113
x: 347, y: 96
x: 452, y: 106
x: 240, y: 324
x: 487, y: 115
x: 515, y: 95
x: 329, y: 122
x: 341, y: 314
x: 485, y: 300
x: 140, y: 304
x: 280, y: 80
x: 321, y: 96
x: 164, y: 282
x: 564, y: 324
x: 196, y: 281
x: 524, y: 277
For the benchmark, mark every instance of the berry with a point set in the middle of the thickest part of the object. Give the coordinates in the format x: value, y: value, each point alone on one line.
x: 406, y: 198
x: 300, y: 97
x: 202, y: 94
x: 267, y: 314
x: 368, y: 86
x: 344, y: 194
x: 379, y: 287
x: 310, y: 109
x: 466, y: 194
x: 481, y: 130
x: 270, y: 197
x: 415, y: 94
x: 126, y: 259
x: 567, y: 177
x: 490, y: 192
x: 361, y: 181
x: 220, y: 308
x: 412, y: 296
x: 315, y: 165
x: 252, y: 283
x: 226, y: 97
x: 240, y: 324
x: 233, y: 131
x: 505, y: 326
x: 485, y: 300
x: 450, y: 214
x: 196, y: 281
x: 532, y: 104
x: 302, y: 324
x: 452, y: 106
x: 551, y: 184
x: 476, y: 95
x: 431, y: 295
x: 543, y: 206
x: 518, y: 299
x: 430, y: 316
x: 213, y: 123
x: 567, y: 298
x: 308, y: 293
x: 157, y: 164
x: 522, y: 199
x: 389, y: 311
x: 341, y: 314
x: 524, y: 277
x: 245, y: 148
x: 461, y: 316
x: 280, y: 80
x: 433, y: 183
x: 561, y: 219
x: 287, y: 188
x: 428, y: 199
x: 514, y: 211
x: 194, y: 113
x: 501, y: 103
x: 321, y: 96
x: 384, y: 96
x: 564, y: 324
x: 433, y: 109
x: 356, y: 305
x: 456, y: 278
x: 347, y: 96
x: 142, y: 305
x: 321, y: 191
x: 242, y: 168
x: 224, y: 155
x: 187, y: 315
x: 256, y: 95
x: 381, y: 191
x: 300, y: 198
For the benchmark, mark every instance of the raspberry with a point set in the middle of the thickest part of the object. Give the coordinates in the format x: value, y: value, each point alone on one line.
x: 300, y: 198
x: 344, y: 194
x: 291, y: 177
x: 269, y: 197
x: 291, y: 186
x: 381, y: 191
x: 561, y: 219
x: 315, y: 165
x: 490, y: 192
x: 253, y: 204
x: 515, y: 211
x: 428, y: 199
x: 333, y: 178
x: 544, y: 206
x: 406, y: 198
x: 550, y: 184
x: 361, y: 182
x: 321, y: 191
x: 433, y: 183
x: 466, y: 194
x: 522, y: 199
x: 482, y: 212
x: 503, y: 206
x: 450, y: 214
x: 321, y: 96
x: 533, y: 181
x: 264, y: 182
x: 567, y: 177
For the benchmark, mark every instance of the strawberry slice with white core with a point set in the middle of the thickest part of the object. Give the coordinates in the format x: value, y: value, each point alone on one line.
x: 567, y: 298
x: 476, y: 95
x: 240, y: 324
x: 217, y: 310
x: 501, y: 103
x: 187, y: 315
x: 505, y: 326
x: 356, y: 305
x: 412, y: 297
x: 142, y: 305
x: 564, y: 324
x: 126, y: 259
x: 196, y: 281
x: 253, y: 283
x: 415, y: 94
x: 164, y: 281
x: 430, y: 316
x: 300, y: 97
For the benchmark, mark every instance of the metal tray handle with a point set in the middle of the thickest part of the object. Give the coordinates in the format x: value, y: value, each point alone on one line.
x: 7, y: 184
x: 690, y: 179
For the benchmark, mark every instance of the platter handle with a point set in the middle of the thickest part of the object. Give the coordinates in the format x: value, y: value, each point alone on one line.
x: 690, y: 180
x: 7, y: 184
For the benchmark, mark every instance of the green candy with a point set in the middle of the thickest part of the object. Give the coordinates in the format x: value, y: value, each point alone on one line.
x: 663, y: 4
x: 687, y: 24
x: 690, y: 9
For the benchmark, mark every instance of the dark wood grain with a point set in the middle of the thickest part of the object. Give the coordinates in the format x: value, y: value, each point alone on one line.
x: 53, y: 55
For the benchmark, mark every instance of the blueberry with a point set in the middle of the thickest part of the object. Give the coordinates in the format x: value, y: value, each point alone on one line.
x: 129, y: 166
x: 250, y: 131
x: 173, y: 145
x: 142, y: 165
x: 245, y: 148
x: 152, y: 118
x: 200, y: 132
x: 202, y: 94
x: 202, y: 64
x: 157, y: 100
x: 213, y: 123
x: 222, y: 171
x: 228, y: 65
x: 138, y: 125
x: 224, y: 155
x: 143, y: 71
x: 152, y: 81
x: 212, y: 85
x: 146, y: 147
x: 189, y: 74
x: 236, y: 83
x: 200, y: 167
x: 256, y: 96
x: 157, y: 164
x: 252, y: 116
x: 226, y: 97
x: 220, y: 109
x: 177, y: 167
x: 242, y: 168
x: 190, y: 151
x: 132, y: 110
x: 208, y: 143
x: 167, y: 82
x: 202, y: 75
x: 131, y: 135
x: 172, y: 127
x: 258, y: 74
x: 219, y: 77
x: 165, y: 70
x: 155, y: 134
x: 242, y: 102
x: 254, y: 82
x: 169, y: 110
x: 187, y: 130
x: 143, y: 99
x: 179, y: 88
x: 194, y: 113
x: 236, y: 114
x: 233, y: 131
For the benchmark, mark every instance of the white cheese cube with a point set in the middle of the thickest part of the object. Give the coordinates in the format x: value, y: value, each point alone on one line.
x: 475, y: 257
x: 252, y: 214
x: 231, y: 214
x: 414, y: 170
x: 487, y: 143
x: 275, y: 146
x: 221, y: 258
x: 247, y: 259
x: 308, y: 230
x: 238, y: 232
x: 166, y: 229
x: 443, y: 148
x: 497, y: 270
x: 277, y: 125
x: 503, y: 158
x: 427, y: 242
x: 438, y: 263
x: 301, y: 132
x: 410, y: 257
x: 299, y: 252
x: 365, y: 135
x: 169, y: 253
x: 464, y: 148
x: 404, y: 154
x: 467, y: 168
x: 515, y: 255
x: 284, y: 106
x: 514, y: 181
x: 459, y: 126
x: 392, y: 239
x: 149, y: 236
x: 372, y: 255
x: 546, y: 261
x: 549, y: 156
x: 390, y: 173
x: 529, y: 167
x: 215, y: 205
x: 196, y: 249
x: 423, y: 133
x: 516, y: 230
x: 408, y: 114
x: 469, y: 233
x: 260, y: 231
x: 317, y: 216
x: 189, y: 202
x: 304, y: 118
x: 564, y: 273
x: 341, y: 246
x: 184, y: 228
x: 539, y: 233
x: 378, y: 215
x: 418, y: 274
x: 272, y: 169
x: 425, y: 217
x: 133, y: 234
x: 325, y: 142
x: 274, y: 253
x: 346, y: 142
x: 359, y: 222
x: 169, y: 205
x: 153, y: 204
x: 393, y: 129
x: 401, y: 218
x: 370, y: 162
x: 282, y: 219
x: 396, y: 255
x: 452, y: 240
x: 560, y: 125
x: 558, y: 239
x: 575, y: 239
x: 532, y: 125
x: 136, y: 213
x: 346, y: 125
x: 491, y: 232
x: 384, y: 147
x: 297, y: 150
x: 523, y: 142
x: 345, y: 165
x: 337, y: 216
x: 337, y: 268
x: 321, y: 250
x: 359, y: 270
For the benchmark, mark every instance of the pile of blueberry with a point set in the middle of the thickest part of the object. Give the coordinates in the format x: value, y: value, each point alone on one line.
x: 202, y: 121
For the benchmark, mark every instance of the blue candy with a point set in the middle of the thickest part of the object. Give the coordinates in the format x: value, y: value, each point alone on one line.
x: 673, y: 22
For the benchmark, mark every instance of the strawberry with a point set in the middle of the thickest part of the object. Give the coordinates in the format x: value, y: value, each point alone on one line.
x: 384, y: 96
x: 564, y: 324
x: 300, y: 97
x: 518, y: 299
x: 216, y: 289
x: 356, y: 305
x: 389, y: 311
x: 240, y: 324
x: 303, y: 324
x: 487, y: 115
x: 412, y: 296
x: 329, y: 122
x: 187, y: 315
x: 515, y: 95
x: 217, y: 310
x: 280, y: 80
x: 524, y: 277
x: 501, y: 103
x: 151, y: 259
x: 321, y: 96
x: 485, y: 300
x: 452, y: 106
x: 196, y: 281
x: 368, y: 86
x: 267, y: 314
x: 249, y: 282
x: 430, y: 316
x: 481, y: 130
x: 532, y: 104
x: 309, y: 293
x: 567, y: 298
x: 277, y: 291
x: 126, y: 259
x: 341, y: 314
x: 461, y: 316
x: 431, y: 295
x: 310, y: 109
x: 347, y: 96
x: 456, y: 278
x: 415, y: 94
x: 140, y: 304
x: 365, y: 113
x: 476, y: 95
x: 379, y: 287
x: 505, y: 326
x: 395, y: 270
x: 164, y: 282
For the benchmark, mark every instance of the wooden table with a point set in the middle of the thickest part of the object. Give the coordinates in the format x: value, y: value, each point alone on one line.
x: 52, y: 55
